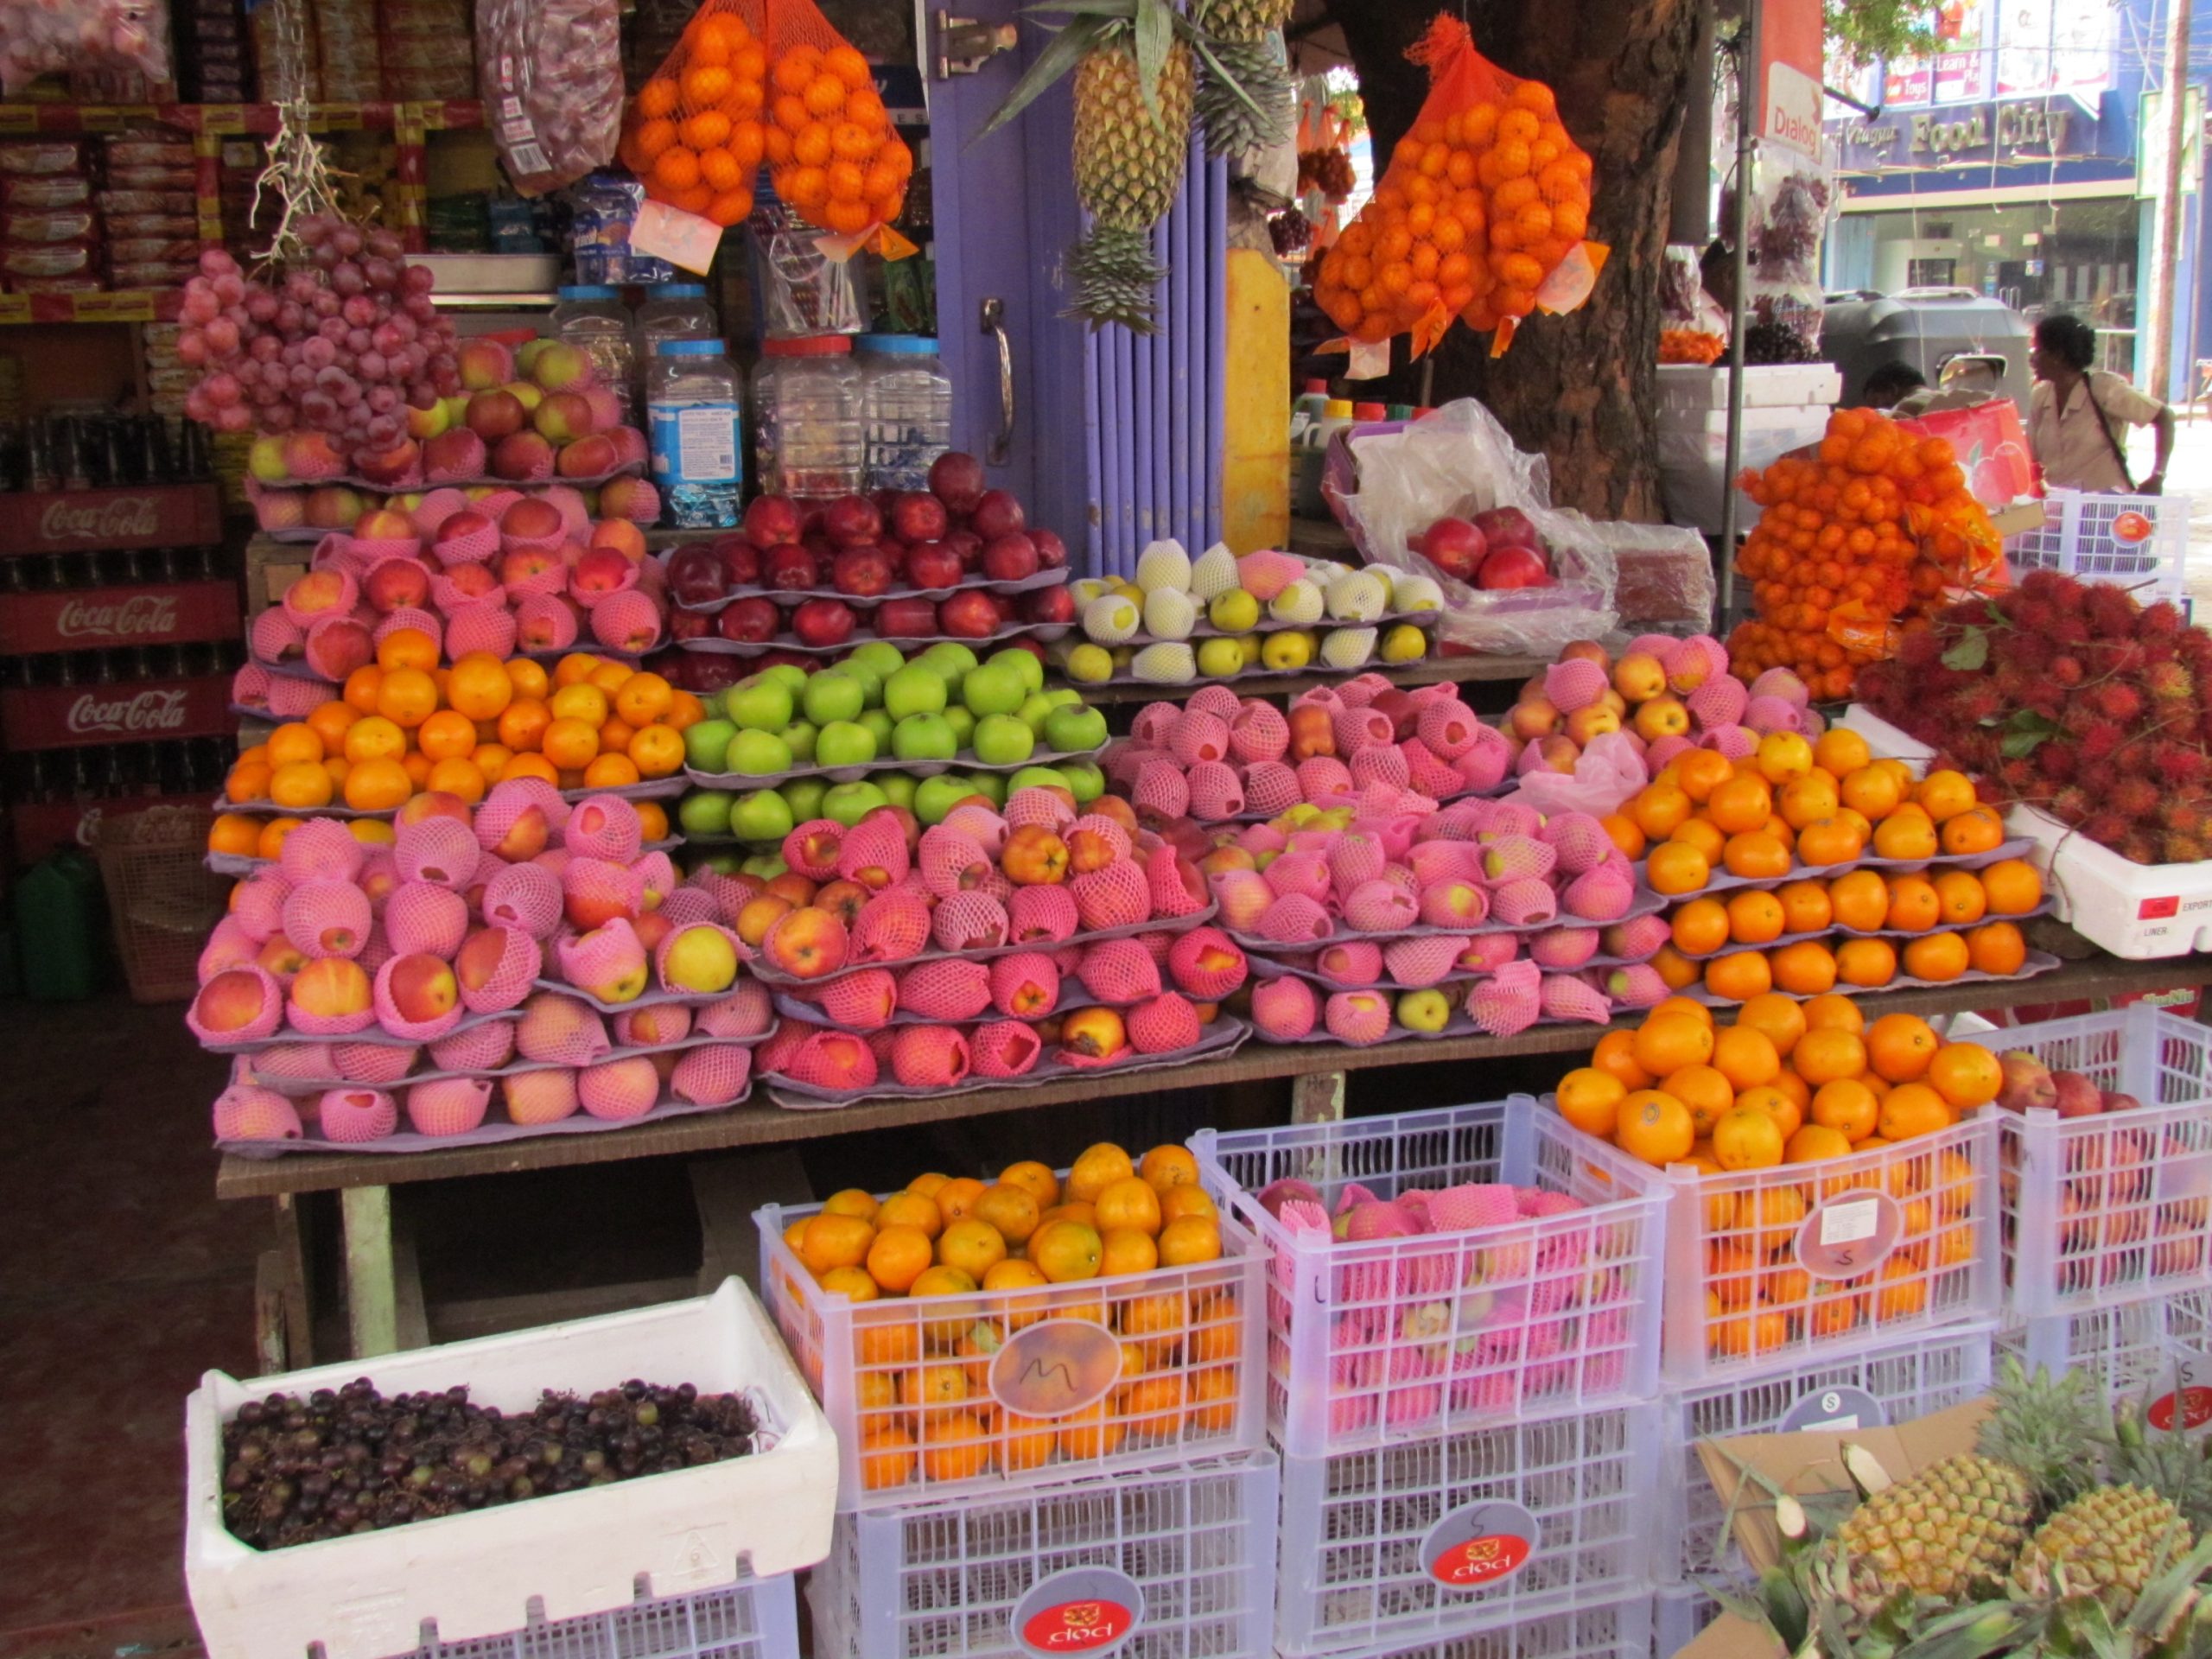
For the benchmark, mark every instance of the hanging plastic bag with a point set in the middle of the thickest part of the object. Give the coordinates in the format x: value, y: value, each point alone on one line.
x: 1609, y: 771
x: 770, y: 80
x: 1692, y: 329
x: 46, y: 37
x: 550, y: 72
x: 1481, y: 214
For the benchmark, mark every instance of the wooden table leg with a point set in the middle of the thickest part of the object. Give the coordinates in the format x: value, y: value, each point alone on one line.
x: 292, y: 1260
x: 1318, y: 1097
x: 372, y: 1289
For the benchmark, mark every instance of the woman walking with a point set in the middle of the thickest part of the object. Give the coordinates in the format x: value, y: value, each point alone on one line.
x: 2078, y: 417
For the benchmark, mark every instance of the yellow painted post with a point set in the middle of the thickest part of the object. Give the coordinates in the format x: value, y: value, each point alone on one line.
x: 1255, y: 429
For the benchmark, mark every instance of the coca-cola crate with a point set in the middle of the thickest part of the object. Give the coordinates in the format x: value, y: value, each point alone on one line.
x: 93, y: 619
x: 138, y: 711
x: 85, y: 521
x: 38, y: 827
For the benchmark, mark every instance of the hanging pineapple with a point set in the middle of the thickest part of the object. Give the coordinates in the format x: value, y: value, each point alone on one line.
x: 1135, y: 86
x: 1254, y: 108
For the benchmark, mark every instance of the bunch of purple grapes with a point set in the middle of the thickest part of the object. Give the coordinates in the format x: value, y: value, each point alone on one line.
x: 343, y: 345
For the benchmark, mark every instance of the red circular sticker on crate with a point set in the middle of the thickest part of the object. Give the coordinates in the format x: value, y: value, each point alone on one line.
x: 1055, y: 1367
x: 1850, y: 1233
x: 1480, y: 1545
x: 2132, y: 526
x: 2184, y: 1408
x: 1088, y: 1610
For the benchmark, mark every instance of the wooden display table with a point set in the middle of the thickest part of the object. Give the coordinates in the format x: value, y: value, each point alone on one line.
x: 384, y: 1303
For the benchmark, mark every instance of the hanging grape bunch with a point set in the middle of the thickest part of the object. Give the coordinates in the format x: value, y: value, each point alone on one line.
x: 343, y: 343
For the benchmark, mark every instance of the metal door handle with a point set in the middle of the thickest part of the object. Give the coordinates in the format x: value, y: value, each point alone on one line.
x: 1001, y: 443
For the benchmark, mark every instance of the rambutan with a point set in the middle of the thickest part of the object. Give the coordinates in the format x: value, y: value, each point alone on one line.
x: 1920, y: 649
x: 2111, y: 612
x: 2161, y: 621
x: 1978, y: 704
x: 2181, y: 817
x: 2115, y: 700
x: 2052, y: 587
x: 2140, y: 848
x: 2032, y: 614
x: 2101, y: 740
x: 2067, y: 671
x: 2181, y: 849
x: 2107, y: 828
x: 2132, y: 796
x: 2168, y: 683
x: 2071, y: 804
x: 2179, y: 763
x: 2056, y: 761
x: 2018, y: 776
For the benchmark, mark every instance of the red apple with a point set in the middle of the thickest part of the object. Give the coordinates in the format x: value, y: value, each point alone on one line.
x: 932, y: 564
x: 1513, y: 567
x: 706, y: 671
x: 1509, y: 527
x: 601, y: 570
x: 1009, y: 558
x: 968, y: 616
x: 695, y: 574
x: 476, y: 580
x: 1054, y: 604
x: 969, y: 545
x: 956, y: 479
x: 1051, y: 551
x: 749, y: 620
x: 393, y: 583
x: 919, y: 516
x: 823, y: 622
x: 1453, y: 546
x: 789, y: 568
x: 690, y: 625
x: 851, y: 521
x: 863, y: 572
x: 772, y: 520
x: 740, y: 561
x: 906, y: 619
x: 998, y: 513
x: 495, y: 414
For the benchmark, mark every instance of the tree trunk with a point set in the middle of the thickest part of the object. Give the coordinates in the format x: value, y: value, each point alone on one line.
x: 1578, y: 387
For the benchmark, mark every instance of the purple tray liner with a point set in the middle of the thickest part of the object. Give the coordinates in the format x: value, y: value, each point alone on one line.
x: 1205, y: 630
x: 1267, y: 968
x: 521, y: 487
x: 1256, y: 671
x: 491, y: 1132
x: 649, y: 1000
x: 1028, y: 584
x: 239, y: 864
x: 964, y: 761
x: 1722, y: 882
x: 1046, y: 632
x: 1459, y: 1024
x: 1072, y: 997
x: 660, y: 789
x: 1223, y: 1037
x: 2037, y: 961
x: 513, y: 1069
x: 1496, y: 791
x: 301, y: 671
x: 285, y: 1036
x: 1646, y: 903
x: 768, y: 976
x: 2042, y: 909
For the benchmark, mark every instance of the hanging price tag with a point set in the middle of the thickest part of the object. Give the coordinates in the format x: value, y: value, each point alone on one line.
x: 1370, y: 359
x: 661, y: 231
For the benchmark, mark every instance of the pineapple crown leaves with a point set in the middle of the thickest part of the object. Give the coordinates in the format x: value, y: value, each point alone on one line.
x: 1146, y: 28
x: 2051, y: 1428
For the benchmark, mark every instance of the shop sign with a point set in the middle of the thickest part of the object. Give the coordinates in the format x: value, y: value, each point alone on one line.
x: 2027, y: 130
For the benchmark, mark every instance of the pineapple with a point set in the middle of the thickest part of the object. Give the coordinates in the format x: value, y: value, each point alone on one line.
x: 2106, y: 1543
x: 1957, y: 1523
x: 1251, y: 105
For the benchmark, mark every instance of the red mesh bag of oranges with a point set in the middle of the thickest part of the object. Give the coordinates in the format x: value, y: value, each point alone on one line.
x: 755, y: 80
x: 1480, y: 216
x: 1859, y: 539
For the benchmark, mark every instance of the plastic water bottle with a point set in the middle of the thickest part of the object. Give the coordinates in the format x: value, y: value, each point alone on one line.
x: 908, y: 400
x: 810, y: 426
x: 692, y: 404
x: 590, y: 317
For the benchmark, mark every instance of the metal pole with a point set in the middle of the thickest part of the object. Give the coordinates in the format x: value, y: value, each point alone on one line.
x: 2167, y: 301
x: 1747, y: 98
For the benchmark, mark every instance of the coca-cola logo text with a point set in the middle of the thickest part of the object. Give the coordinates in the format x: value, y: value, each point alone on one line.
x: 151, y: 710
x: 149, y: 614
x: 118, y: 516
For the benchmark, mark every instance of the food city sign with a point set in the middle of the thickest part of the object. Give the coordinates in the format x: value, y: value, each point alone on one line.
x: 2029, y: 128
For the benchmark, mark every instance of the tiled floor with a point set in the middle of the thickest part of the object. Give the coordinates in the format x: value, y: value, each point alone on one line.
x: 121, y: 1280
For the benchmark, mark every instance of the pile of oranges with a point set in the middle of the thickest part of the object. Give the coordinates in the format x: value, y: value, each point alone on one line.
x: 1792, y: 808
x: 992, y: 1261
x: 1863, y: 538
x: 1690, y: 345
x: 1790, y: 1084
x: 1478, y: 206
x: 697, y: 131
x: 402, y: 725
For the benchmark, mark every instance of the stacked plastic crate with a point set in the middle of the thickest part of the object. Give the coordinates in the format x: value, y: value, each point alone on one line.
x: 1461, y: 1388
x: 1059, y: 1469
x: 2107, y: 1215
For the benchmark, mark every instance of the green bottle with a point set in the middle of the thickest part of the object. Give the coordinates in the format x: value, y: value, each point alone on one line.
x: 57, y: 928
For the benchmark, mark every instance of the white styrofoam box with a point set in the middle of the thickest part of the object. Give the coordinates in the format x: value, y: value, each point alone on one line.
x: 1893, y: 1383
x: 1679, y: 1612
x: 1612, y: 1629
x: 366, y: 1596
x: 1772, y: 1267
x: 1433, y: 1536
x: 1886, y: 741
x: 2139, y: 542
x: 1699, y: 385
x: 1376, y: 1341
x: 1174, y: 1563
x: 2115, y: 1205
x: 755, y: 1618
x: 1045, y: 1368
x: 1694, y: 456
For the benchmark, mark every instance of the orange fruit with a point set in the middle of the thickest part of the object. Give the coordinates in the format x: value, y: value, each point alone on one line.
x: 1825, y: 1054
x: 236, y: 834
x: 1860, y: 900
x: 1701, y: 926
x: 1834, y: 1012
x: 1847, y: 1106
x: 1590, y: 1098
x: 1913, y: 905
x: 374, y: 738
x: 1997, y: 948
x: 1946, y: 794
x: 1776, y: 1015
x: 2014, y: 886
x: 1035, y: 1179
x: 1807, y: 800
x: 1012, y: 1211
x: 955, y: 1446
x: 1705, y: 1090
x: 1805, y: 969
x: 1746, y: 1138
x: 479, y: 687
x: 1960, y: 900
x: 416, y: 765
x: 1805, y: 906
x: 1913, y: 1109
x: 1872, y: 790
x: 531, y: 766
x: 1740, y: 975
x: 1669, y: 1040
x: 1165, y: 1168
x: 1184, y: 1202
x: 1701, y: 833
x: 1127, y: 1249
x: 910, y: 1210
x: 1127, y: 1202
x: 955, y: 1198
x: 1966, y: 1075
x: 457, y: 777
x: 446, y: 736
x: 1977, y: 830
x: 1659, y: 809
x: 1688, y: 1006
x: 1745, y: 1055
x: 897, y: 1256
x: 1904, y: 835
x: 1839, y: 751
x: 569, y: 743
x: 1676, y: 971
x: 1813, y: 1144
x: 1867, y: 963
x: 377, y: 785
x: 523, y: 724
x: 1756, y: 855
x: 1700, y: 771
x: 1939, y: 957
x: 1097, y: 1168
x: 1830, y: 841
x: 1782, y: 756
x: 408, y: 696
x: 1675, y: 867
x: 293, y: 743
x: 407, y: 648
x: 1743, y: 803
x: 887, y: 1456
x: 830, y: 1240
x: 302, y: 784
x: 1656, y: 1127
x: 1188, y: 1240
x: 1900, y: 1045
x: 1615, y: 1056
x: 1066, y: 1251
x: 362, y: 687
x: 1626, y: 833
x: 330, y: 720
x: 270, y: 843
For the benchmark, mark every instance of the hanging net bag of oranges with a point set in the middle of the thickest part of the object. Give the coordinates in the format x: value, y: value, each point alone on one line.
x: 755, y: 80
x: 1860, y: 538
x: 1480, y: 216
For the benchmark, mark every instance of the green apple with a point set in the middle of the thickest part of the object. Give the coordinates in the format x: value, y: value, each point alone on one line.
x: 1037, y: 777
x: 832, y: 694
x: 870, y: 681
x: 762, y: 815
x: 991, y: 786
x: 1085, y: 782
x: 803, y: 797
x: 879, y: 722
x: 962, y: 724
x: 898, y: 787
x: 949, y: 658
x: 1233, y: 612
x: 799, y: 738
x: 758, y: 703
x: 1061, y: 696
x: 757, y: 754
x: 845, y: 743
x: 1091, y: 665
x: 879, y: 657
x: 1424, y: 1011
x: 790, y: 676
x: 1220, y: 659
x: 933, y: 797
x: 993, y: 689
x: 1003, y: 740
x: 924, y: 737
x: 766, y: 866
x: 723, y: 863
x: 705, y: 812
x: 849, y: 803
x: 1072, y: 729
x: 1034, y: 710
x: 914, y: 689
x: 1024, y: 664
x: 705, y: 741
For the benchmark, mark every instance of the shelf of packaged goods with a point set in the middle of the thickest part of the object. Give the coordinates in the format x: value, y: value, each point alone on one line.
x: 122, y: 711
x: 60, y: 119
x: 126, y: 305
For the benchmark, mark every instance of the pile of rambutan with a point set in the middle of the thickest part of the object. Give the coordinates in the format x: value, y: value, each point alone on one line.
x: 2070, y: 696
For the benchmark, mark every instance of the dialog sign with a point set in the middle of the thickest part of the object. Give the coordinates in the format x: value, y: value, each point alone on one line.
x: 1086, y: 1609
x: 1480, y: 1545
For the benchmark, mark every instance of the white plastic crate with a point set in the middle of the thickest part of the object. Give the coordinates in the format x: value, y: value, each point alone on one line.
x: 2131, y: 1347
x: 1892, y: 1383
x: 1614, y: 1630
x: 1374, y: 1342
x: 754, y: 1619
x: 1701, y: 386
x: 1433, y: 1536
x: 1765, y: 1268
x: 2139, y: 542
x: 1174, y: 1564
x: 2117, y: 1205
x: 367, y: 1595
x: 1678, y: 1614
x: 1025, y: 1386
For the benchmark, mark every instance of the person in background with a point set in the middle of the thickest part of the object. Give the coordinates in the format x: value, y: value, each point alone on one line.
x: 2078, y: 417
x: 1890, y: 385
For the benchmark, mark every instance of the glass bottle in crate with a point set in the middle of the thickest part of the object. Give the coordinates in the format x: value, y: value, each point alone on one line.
x: 809, y: 422
x: 691, y: 405
x: 908, y: 401
x: 590, y: 317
